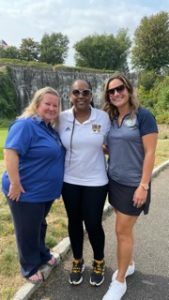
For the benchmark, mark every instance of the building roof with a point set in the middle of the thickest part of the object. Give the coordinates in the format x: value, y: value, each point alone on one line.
x: 3, y: 44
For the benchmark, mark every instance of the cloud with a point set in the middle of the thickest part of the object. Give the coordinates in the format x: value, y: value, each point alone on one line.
x: 77, y: 19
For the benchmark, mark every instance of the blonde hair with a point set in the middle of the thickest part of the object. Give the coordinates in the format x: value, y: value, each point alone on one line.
x: 108, y: 106
x: 31, y: 109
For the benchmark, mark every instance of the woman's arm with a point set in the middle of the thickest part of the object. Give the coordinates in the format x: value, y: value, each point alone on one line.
x: 105, y: 149
x: 11, y: 159
x: 149, y: 143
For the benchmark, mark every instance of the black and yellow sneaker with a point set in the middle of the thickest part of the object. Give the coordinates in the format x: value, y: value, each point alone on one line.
x: 77, y: 270
x: 97, y: 275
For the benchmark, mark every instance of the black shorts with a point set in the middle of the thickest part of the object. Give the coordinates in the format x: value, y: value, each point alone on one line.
x: 121, y: 198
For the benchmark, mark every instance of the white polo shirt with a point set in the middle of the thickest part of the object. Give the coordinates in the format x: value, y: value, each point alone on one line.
x: 85, y: 161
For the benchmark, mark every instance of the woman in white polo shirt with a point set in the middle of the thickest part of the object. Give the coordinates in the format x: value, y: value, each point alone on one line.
x: 82, y: 131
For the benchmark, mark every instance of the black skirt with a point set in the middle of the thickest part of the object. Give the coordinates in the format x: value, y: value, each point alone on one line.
x: 121, y: 198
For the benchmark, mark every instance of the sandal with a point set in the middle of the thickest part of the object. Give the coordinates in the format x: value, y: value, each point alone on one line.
x: 36, y: 278
x: 52, y: 262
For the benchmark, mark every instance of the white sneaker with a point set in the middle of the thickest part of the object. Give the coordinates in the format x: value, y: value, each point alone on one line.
x: 116, y: 290
x: 130, y: 271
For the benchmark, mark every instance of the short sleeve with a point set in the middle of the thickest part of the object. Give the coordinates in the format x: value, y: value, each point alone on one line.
x: 147, y: 122
x: 107, y: 125
x: 19, y: 136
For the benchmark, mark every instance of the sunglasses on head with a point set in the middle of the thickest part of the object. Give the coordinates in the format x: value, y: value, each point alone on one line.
x: 84, y: 93
x: 117, y: 89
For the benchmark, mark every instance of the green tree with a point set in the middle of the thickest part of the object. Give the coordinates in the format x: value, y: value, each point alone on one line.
x: 2, y: 52
x: 29, y: 49
x: 10, y: 52
x: 8, y: 98
x: 103, y: 51
x: 151, y: 43
x: 147, y: 79
x: 54, y: 48
x: 161, y: 94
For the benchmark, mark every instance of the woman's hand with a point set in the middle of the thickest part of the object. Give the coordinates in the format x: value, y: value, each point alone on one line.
x: 11, y: 159
x: 105, y: 149
x: 15, y: 190
x: 139, y: 197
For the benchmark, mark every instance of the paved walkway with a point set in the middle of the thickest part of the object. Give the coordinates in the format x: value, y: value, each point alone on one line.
x: 151, y: 279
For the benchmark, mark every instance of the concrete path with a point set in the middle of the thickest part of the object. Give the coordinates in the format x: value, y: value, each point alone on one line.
x: 151, y: 279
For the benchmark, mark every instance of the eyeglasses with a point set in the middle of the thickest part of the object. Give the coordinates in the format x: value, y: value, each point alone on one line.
x: 84, y: 93
x: 117, y: 89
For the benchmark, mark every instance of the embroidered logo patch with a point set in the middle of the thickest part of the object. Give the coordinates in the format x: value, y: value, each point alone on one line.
x: 96, y: 128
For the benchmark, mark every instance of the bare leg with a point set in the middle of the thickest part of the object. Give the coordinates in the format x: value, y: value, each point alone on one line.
x: 124, y: 232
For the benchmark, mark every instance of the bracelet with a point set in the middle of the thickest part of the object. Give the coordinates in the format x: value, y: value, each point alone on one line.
x: 145, y: 186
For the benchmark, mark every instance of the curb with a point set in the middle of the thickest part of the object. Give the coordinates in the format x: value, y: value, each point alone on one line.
x: 63, y: 247
x: 160, y: 168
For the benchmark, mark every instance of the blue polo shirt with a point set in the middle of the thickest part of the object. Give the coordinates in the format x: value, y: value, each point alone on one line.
x: 41, y: 159
x: 126, y: 151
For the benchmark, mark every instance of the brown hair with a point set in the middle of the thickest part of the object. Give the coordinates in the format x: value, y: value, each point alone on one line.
x: 108, y: 106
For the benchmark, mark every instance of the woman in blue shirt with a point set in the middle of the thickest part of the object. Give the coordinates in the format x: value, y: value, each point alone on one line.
x: 34, y: 159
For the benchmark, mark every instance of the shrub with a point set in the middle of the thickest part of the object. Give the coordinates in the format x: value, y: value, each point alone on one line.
x: 8, y: 98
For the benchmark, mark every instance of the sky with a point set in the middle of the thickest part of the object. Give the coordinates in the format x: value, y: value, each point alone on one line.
x: 21, y: 19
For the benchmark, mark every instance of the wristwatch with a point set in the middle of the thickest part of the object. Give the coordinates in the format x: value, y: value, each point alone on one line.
x: 145, y: 186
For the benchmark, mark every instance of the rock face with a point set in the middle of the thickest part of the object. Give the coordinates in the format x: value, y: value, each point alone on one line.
x: 27, y: 80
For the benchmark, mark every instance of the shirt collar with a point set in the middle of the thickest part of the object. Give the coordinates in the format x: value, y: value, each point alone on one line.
x: 71, y: 114
x: 39, y: 120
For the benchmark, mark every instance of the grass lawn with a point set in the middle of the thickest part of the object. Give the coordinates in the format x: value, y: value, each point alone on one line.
x: 3, y: 133
x: 10, y: 278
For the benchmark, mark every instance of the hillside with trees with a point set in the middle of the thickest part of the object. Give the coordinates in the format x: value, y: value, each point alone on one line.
x: 148, y: 53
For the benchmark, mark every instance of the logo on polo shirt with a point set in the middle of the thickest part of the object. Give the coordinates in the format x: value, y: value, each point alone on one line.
x: 130, y: 122
x: 96, y: 128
